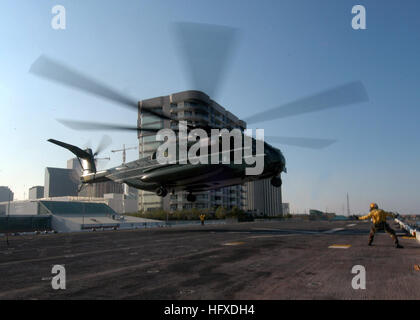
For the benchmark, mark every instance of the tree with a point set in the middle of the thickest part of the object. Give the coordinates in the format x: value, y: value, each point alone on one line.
x: 220, y: 213
x: 235, y: 212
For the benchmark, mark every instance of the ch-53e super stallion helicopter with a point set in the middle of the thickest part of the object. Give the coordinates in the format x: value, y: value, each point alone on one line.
x: 150, y: 175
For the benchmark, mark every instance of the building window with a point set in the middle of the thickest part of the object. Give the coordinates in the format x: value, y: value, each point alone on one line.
x: 151, y: 146
x: 202, y: 197
x: 147, y: 139
x: 147, y: 118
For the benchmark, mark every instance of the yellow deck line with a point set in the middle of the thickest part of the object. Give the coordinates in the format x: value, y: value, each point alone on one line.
x: 340, y: 246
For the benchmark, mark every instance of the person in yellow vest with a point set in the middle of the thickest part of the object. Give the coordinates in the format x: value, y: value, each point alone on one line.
x: 378, y: 217
x: 202, y: 217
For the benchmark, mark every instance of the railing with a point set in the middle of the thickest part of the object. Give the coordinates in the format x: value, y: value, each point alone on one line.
x: 411, y: 230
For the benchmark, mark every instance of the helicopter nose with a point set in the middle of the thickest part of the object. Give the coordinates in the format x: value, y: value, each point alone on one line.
x: 279, y: 162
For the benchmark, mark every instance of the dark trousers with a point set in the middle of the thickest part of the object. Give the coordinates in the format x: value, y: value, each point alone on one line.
x: 382, y: 226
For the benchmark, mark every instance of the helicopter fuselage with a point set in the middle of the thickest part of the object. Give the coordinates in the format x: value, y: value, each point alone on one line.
x: 149, y: 175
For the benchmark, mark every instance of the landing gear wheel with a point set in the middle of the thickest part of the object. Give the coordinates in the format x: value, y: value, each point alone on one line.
x: 191, y: 197
x: 162, y: 192
x: 276, y: 182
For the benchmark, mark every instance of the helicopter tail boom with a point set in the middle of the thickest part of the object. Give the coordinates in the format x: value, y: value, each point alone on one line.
x: 86, y: 158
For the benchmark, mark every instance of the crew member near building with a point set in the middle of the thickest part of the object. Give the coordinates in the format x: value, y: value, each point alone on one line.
x: 378, y: 217
x: 202, y: 217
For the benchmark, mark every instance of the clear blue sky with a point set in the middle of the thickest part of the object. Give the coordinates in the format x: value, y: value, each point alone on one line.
x: 287, y: 49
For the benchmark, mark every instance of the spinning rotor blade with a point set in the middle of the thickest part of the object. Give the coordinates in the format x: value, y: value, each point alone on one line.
x: 205, y: 51
x: 103, y: 144
x: 85, y: 125
x: 343, y: 95
x: 93, y: 126
x: 53, y: 70
x: 88, y: 144
x: 311, y: 143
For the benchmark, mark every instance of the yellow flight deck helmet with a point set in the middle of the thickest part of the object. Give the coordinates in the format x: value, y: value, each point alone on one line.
x: 373, y: 205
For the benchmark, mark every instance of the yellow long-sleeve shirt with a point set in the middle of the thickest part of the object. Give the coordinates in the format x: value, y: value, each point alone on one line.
x: 377, y: 216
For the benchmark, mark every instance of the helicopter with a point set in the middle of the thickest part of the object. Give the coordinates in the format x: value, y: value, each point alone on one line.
x: 148, y: 173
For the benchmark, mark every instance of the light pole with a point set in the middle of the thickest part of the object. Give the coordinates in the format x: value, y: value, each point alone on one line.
x: 8, y: 215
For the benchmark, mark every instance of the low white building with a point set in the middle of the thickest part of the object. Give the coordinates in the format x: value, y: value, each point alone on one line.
x: 120, y: 203
x: 72, y: 214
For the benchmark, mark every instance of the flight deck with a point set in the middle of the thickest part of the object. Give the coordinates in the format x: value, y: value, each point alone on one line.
x: 290, y: 259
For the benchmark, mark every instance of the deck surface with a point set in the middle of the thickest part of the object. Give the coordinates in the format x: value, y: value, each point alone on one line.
x: 257, y: 260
